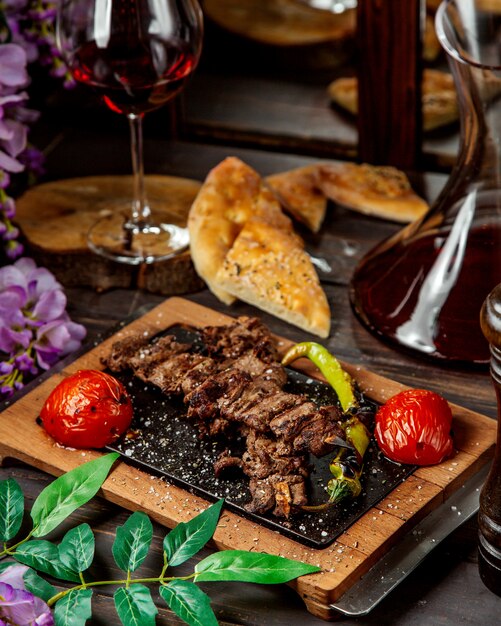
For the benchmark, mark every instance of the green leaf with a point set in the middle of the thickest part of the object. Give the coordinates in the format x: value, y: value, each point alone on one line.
x: 74, y: 609
x: 5, y: 564
x: 186, y: 539
x: 76, y: 549
x: 250, y: 567
x: 44, y: 556
x: 132, y: 542
x: 135, y: 606
x: 68, y: 492
x: 11, y: 509
x: 38, y: 586
x: 189, y: 603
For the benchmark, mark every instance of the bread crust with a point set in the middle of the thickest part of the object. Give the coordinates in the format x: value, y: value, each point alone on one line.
x: 439, y: 98
x: 382, y: 191
x: 270, y: 270
x: 300, y: 195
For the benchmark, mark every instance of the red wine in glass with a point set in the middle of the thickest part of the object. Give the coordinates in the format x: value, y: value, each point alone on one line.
x: 137, y: 55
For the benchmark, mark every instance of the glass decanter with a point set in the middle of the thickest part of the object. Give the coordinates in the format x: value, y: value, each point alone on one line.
x: 423, y: 288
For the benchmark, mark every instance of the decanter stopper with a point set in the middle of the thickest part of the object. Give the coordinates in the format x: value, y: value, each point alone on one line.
x: 489, y: 517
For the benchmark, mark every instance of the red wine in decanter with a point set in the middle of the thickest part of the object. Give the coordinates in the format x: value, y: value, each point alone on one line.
x: 421, y: 297
x: 489, y: 517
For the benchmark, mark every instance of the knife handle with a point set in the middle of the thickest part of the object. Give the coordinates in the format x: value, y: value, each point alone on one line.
x: 489, y: 517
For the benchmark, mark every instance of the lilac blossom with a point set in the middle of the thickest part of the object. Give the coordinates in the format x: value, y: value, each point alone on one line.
x: 19, y: 606
x: 35, y: 329
x: 29, y: 38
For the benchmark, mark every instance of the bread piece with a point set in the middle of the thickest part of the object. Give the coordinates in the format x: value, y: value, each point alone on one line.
x: 299, y: 194
x: 383, y: 191
x: 231, y: 194
x: 431, y: 45
x: 439, y: 97
x: 281, y: 22
x: 269, y: 269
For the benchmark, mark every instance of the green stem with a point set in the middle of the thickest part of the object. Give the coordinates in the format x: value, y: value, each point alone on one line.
x: 127, y: 581
x: 10, y: 551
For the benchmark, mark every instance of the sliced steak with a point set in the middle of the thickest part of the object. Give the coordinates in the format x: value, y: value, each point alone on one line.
x: 170, y: 374
x: 122, y: 351
x: 237, y: 388
x: 283, y: 494
x: 233, y: 340
x: 317, y: 435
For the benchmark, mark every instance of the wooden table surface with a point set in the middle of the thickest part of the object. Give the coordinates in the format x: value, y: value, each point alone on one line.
x: 445, y: 589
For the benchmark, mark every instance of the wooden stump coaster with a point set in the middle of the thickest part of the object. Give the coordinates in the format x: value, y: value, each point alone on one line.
x: 55, y: 218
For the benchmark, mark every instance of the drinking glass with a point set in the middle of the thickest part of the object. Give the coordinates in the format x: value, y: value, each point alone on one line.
x: 137, y: 54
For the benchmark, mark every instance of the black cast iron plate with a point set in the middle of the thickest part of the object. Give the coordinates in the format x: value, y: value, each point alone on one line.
x: 168, y: 445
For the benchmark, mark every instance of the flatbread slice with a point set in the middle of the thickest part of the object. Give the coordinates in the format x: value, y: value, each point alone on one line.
x: 232, y: 193
x: 439, y: 98
x: 300, y: 195
x: 379, y: 190
x: 269, y: 269
x: 281, y: 22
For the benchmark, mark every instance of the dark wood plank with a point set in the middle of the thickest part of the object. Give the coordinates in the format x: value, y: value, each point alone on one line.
x: 389, y: 82
x: 288, y: 115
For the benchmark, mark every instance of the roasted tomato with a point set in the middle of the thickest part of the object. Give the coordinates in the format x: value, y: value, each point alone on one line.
x: 89, y: 409
x: 414, y: 427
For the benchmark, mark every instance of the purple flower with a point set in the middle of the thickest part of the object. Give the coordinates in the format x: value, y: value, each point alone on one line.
x: 35, y: 330
x: 13, y: 66
x: 14, y: 250
x: 4, y: 180
x: 8, y: 206
x: 18, y: 606
x: 56, y: 339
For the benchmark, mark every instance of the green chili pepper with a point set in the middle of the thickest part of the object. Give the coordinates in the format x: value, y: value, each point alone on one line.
x: 346, y: 467
x: 338, y: 379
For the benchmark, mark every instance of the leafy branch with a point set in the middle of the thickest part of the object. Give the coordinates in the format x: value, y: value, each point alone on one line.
x: 73, y: 556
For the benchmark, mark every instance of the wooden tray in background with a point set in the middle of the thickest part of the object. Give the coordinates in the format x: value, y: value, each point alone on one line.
x: 343, y: 562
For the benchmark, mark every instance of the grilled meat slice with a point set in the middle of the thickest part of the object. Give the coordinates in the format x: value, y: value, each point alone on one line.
x: 317, y: 434
x: 139, y: 353
x: 210, y: 397
x: 170, y: 374
x: 281, y: 493
x: 263, y: 496
x: 289, y: 423
x: 156, y: 352
x: 198, y: 375
x: 245, y: 334
x: 226, y: 461
x: 252, y: 364
x: 265, y: 456
x: 123, y: 350
x: 259, y: 403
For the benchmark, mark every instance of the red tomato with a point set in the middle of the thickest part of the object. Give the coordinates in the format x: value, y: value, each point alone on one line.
x: 89, y: 409
x: 415, y: 427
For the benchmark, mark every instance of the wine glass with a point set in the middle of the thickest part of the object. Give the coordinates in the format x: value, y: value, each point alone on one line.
x: 137, y: 54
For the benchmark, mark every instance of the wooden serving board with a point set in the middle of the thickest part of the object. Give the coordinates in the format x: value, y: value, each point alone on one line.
x: 344, y: 561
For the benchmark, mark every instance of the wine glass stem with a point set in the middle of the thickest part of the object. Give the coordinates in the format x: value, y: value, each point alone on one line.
x: 140, y: 208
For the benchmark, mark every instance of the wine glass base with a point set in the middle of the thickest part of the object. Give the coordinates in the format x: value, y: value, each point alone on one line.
x: 115, y: 238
